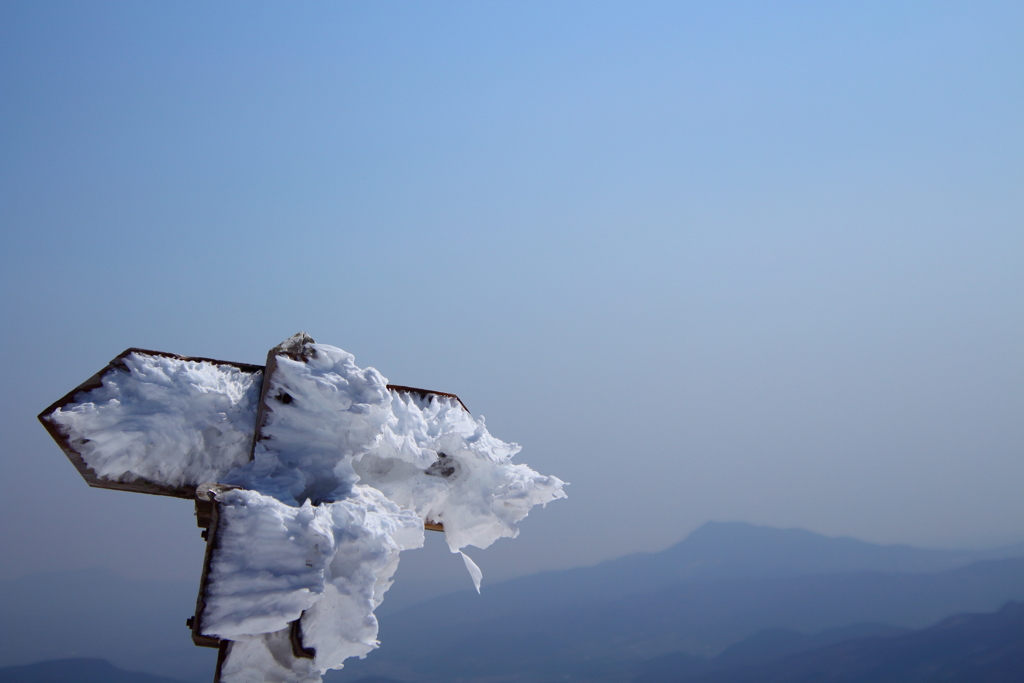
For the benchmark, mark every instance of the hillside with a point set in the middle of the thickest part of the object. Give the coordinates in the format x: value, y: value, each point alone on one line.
x: 714, y: 551
x: 724, y: 583
x: 967, y: 648
x: 699, y: 618
x: 137, y: 625
x: 80, y: 670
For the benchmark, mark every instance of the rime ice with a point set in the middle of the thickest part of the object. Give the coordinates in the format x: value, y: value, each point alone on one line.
x: 342, y: 478
x: 167, y: 420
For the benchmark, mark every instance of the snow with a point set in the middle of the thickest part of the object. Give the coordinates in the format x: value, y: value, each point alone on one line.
x: 269, y: 564
x: 170, y: 421
x: 469, y: 483
x: 474, y: 571
x: 342, y: 478
x: 328, y: 563
x: 267, y: 658
x: 323, y: 414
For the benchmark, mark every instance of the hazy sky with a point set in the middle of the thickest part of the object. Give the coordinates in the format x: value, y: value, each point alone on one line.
x: 705, y: 261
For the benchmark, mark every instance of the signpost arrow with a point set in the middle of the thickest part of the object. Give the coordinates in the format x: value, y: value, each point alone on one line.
x: 163, y: 424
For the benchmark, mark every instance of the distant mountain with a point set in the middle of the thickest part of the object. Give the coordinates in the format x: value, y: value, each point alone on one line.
x: 773, y: 643
x: 137, y: 625
x: 715, y: 551
x: 764, y: 646
x: 76, y: 671
x: 592, y: 640
x: 140, y: 625
x: 967, y: 648
x: 736, y: 550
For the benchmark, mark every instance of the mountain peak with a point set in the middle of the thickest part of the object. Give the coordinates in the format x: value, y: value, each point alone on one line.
x: 738, y: 549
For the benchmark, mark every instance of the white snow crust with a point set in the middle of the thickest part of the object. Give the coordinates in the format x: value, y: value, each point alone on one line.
x: 341, y: 480
x: 332, y: 412
x: 170, y: 421
x: 333, y: 561
x: 267, y: 658
x: 474, y: 490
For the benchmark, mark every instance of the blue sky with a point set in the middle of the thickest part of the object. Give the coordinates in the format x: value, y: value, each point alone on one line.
x: 732, y: 261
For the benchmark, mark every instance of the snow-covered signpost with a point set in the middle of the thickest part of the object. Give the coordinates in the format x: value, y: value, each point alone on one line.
x: 309, y: 475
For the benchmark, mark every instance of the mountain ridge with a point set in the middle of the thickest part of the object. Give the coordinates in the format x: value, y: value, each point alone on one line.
x: 77, y: 670
x: 696, y: 617
x: 964, y: 648
x: 140, y: 625
x: 714, y: 551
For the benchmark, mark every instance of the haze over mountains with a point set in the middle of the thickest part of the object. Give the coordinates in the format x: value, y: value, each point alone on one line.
x: 77, y: 670
x: 726, y: 590
x: 723, y: 583
x: 137, y: 625
x: 966, y: 648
